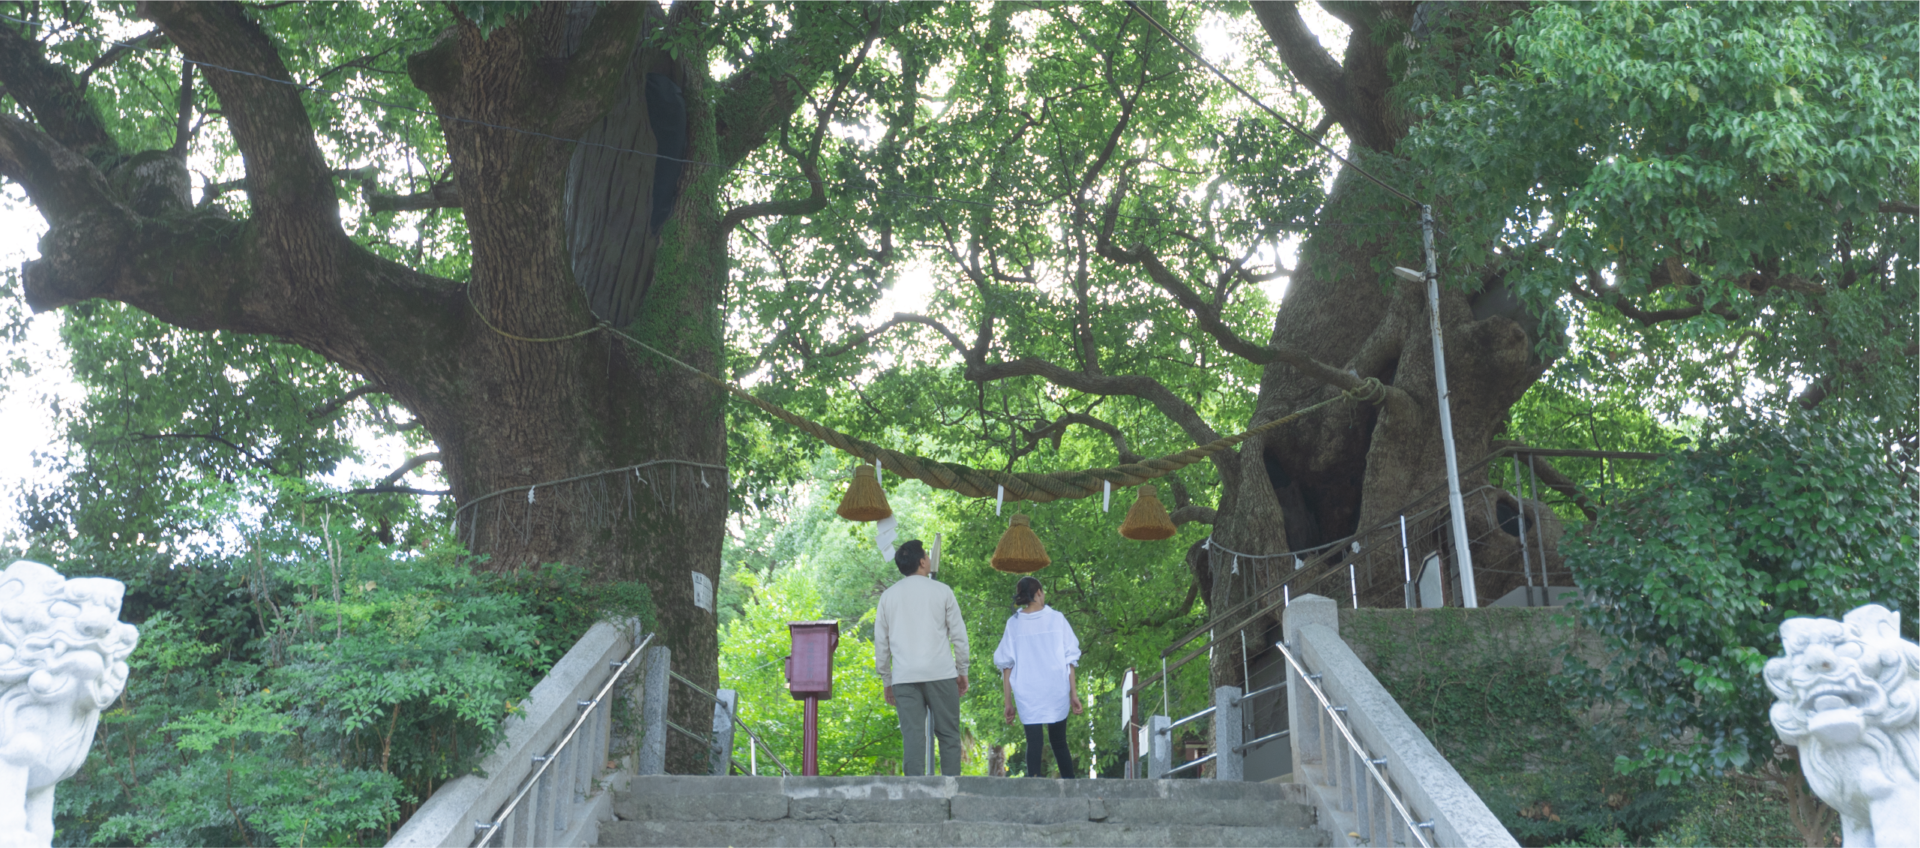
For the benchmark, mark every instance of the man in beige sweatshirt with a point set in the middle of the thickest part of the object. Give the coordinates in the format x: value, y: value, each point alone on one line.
x: 920, y: 650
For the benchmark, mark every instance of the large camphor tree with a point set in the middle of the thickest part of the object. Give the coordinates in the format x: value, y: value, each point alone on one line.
x: 1676, y: 207
x: 556, y: 236
x: 1698, y: 203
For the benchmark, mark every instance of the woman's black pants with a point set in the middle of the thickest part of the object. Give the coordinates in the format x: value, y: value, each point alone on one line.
x: 1057, y: 735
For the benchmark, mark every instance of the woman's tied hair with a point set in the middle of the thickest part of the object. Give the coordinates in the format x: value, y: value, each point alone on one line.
x: 1024, y: 591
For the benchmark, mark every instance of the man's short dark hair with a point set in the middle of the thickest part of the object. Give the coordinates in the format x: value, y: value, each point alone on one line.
x: 907, y: 558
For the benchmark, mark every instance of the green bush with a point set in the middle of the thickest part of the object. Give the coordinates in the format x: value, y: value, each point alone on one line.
x: 295, y: 696
x: 1687, y: 580
x: 1477, y: 682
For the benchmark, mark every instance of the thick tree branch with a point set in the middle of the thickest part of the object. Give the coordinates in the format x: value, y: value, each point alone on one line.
x: 1347, y: 93
x: 150, y: 38
x: 1894, y: 207
x: 1059, y: 426
x: 763, y: 94
x: 212, y: 191
x: 395, y: 490
x: 441, y: 195
x: 1191, y: 513
x: 815, y: 200
x: 216, y: 438
x: 1554, y: 479
x: 1207, y: 315
x: 269, y: 123
x: 62, y: 184
x: 183, y: 113
x: 412, y: 463
x: 1178, y: 612
x: 326, y: 411
x: 1146, y: 388
x: 52, y: 96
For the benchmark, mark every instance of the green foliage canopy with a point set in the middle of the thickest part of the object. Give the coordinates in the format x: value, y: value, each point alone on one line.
x: 1726, y: 191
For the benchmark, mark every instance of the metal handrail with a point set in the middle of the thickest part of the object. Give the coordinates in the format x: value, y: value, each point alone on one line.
x: 1201, y: 714
x: 690, y: 684
x: 553, y: 753
x: 1242, y: 748
x: 1314, y: 569
x: 1314, y: 553
x: 1191, y: 763
x: 1318, y: 567
x: 1260, y: 691
x: 1414, y: 828
x: 734, y: 716
x: 756, y: 740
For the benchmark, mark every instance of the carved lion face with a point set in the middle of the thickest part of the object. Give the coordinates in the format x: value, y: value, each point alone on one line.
x: 1840, y: 678
x: 64, y: 636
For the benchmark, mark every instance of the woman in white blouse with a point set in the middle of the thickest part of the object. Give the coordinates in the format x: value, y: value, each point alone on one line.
x: 1036, y: 658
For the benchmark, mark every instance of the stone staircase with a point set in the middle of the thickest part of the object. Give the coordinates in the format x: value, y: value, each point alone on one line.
x: 957, y: 811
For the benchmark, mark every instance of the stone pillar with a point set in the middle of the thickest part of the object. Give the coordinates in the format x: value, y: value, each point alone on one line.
x: 1303, y: 712
x: 1159, y: 746
x: 727, y: 701
x: 654, y: 663
x: 1229, y: 765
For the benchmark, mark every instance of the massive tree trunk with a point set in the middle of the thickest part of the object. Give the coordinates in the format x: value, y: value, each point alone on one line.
x: 1355, y: 466
x: 503, y: 370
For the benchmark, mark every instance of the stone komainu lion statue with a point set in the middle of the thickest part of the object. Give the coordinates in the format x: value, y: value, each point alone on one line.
x: 63, y: 655
x: 1849, y: 699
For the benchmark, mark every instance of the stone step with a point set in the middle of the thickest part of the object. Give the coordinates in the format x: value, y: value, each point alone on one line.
x: 768, y: 806
x: 644, y: 834
x: 698, y: 811
x: 897, y: 788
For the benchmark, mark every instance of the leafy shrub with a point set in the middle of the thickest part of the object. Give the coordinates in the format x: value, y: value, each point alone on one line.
x: 1688, y: 580
x: 1477, y: 683
x: 299, y: 696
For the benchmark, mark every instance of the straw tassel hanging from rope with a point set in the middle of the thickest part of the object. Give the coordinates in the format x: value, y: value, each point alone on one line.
x: 1147, y: 521
x: 865, y: 500
x: 1019, y: 551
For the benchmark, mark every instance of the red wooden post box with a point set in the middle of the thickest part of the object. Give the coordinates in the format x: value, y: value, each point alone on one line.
x: 810, y: 666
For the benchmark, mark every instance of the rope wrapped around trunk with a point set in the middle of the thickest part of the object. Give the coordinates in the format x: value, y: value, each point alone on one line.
x: 1020, y: 486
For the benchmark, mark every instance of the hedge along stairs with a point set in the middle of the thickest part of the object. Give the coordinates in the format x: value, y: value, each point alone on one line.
x: 963, y: 811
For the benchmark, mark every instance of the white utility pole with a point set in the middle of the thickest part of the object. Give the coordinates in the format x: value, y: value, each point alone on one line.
x: 1469, y: 596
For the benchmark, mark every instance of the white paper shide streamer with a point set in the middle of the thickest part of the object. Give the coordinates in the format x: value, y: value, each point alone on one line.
x: 884, y: 532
